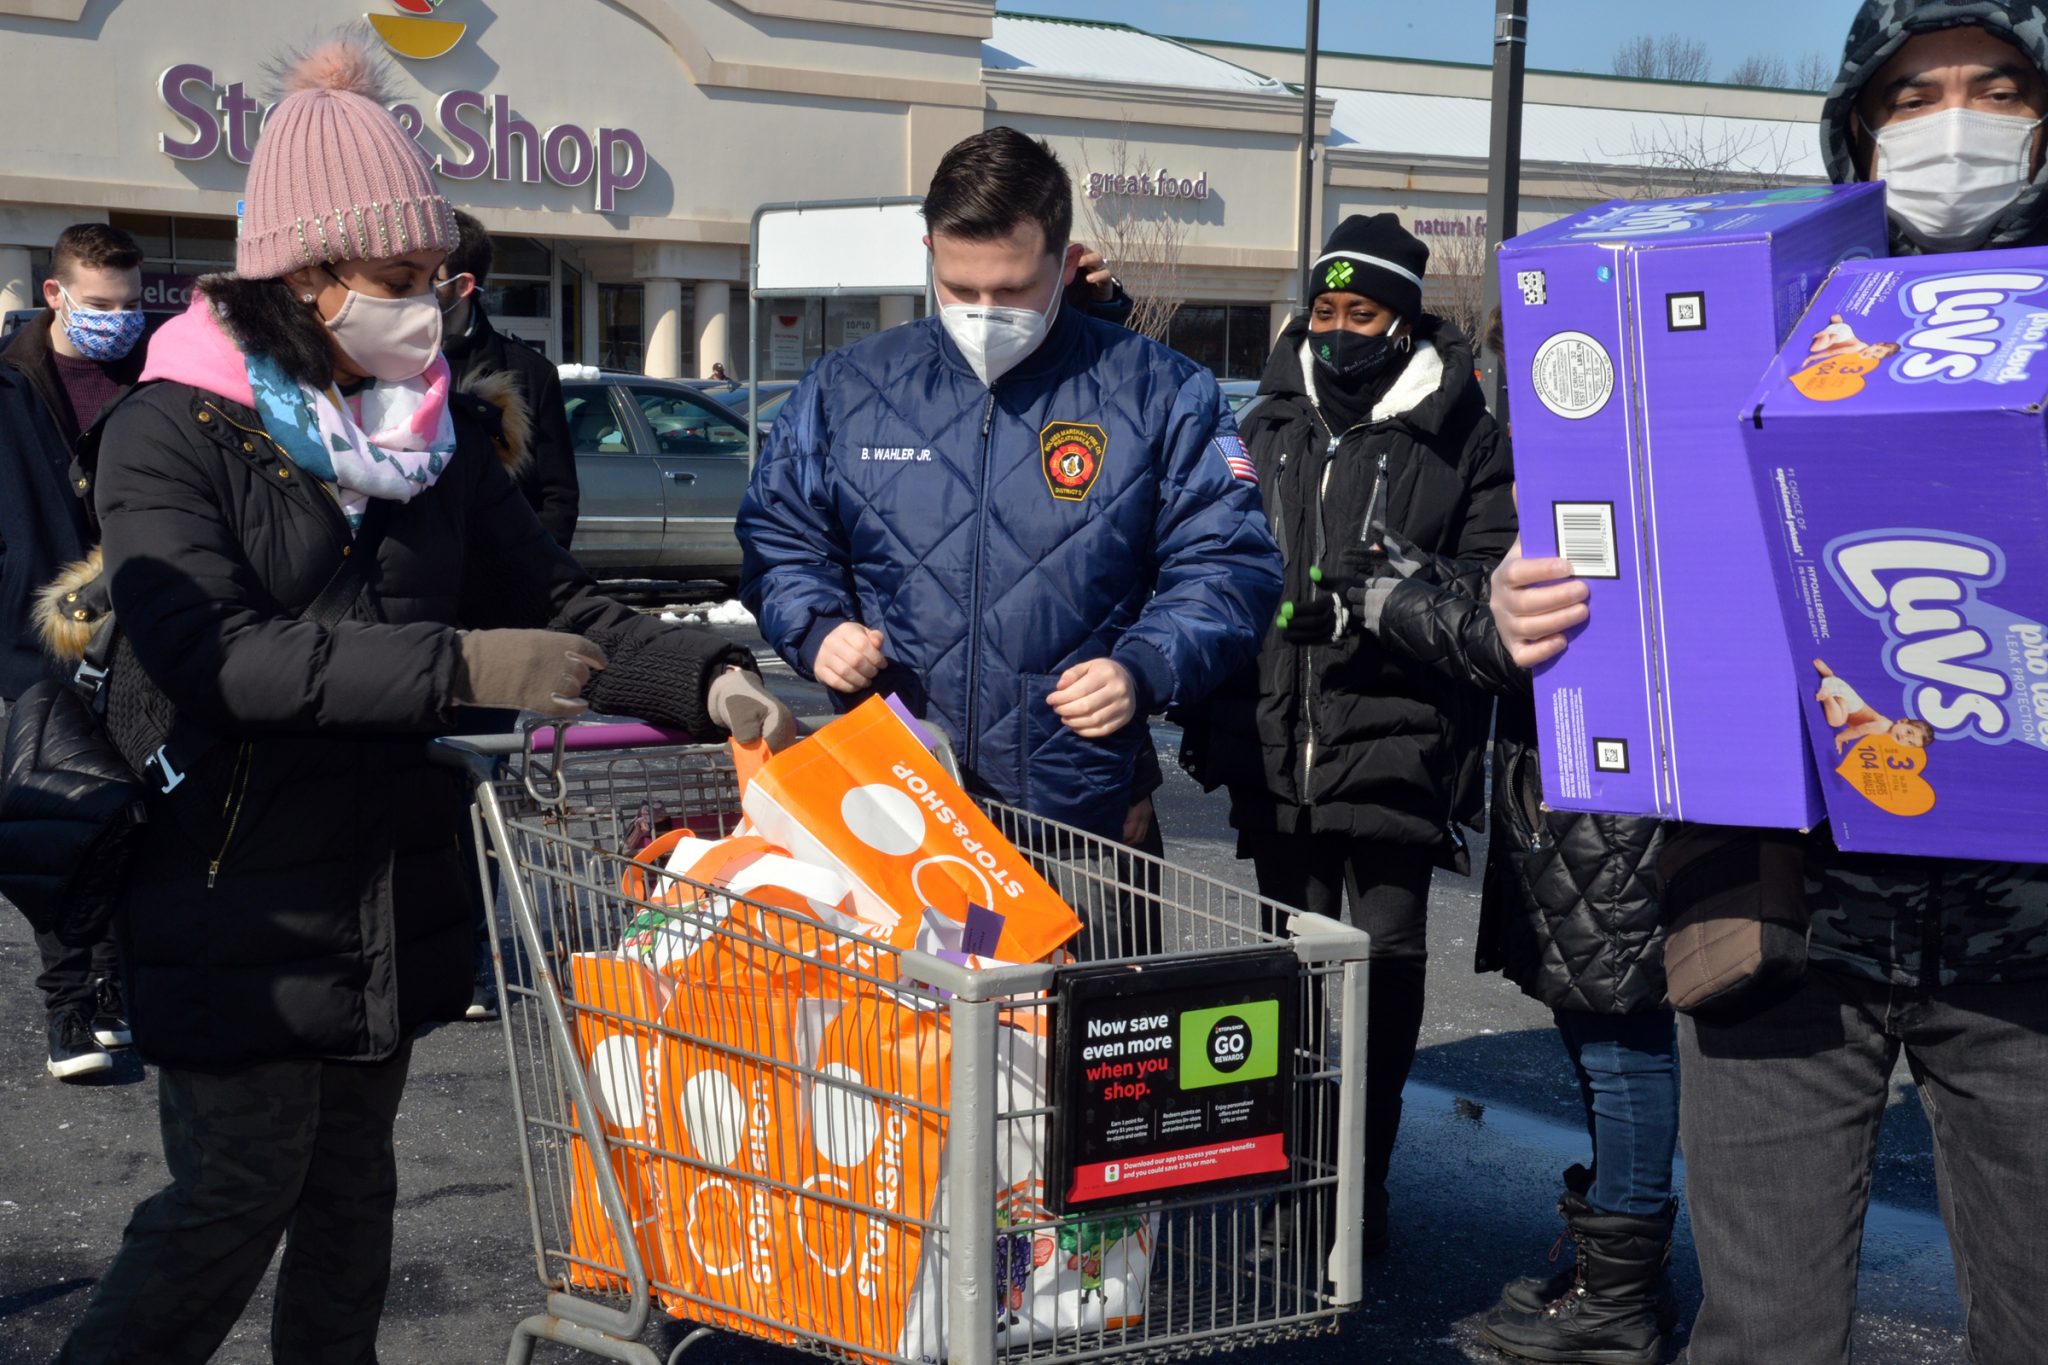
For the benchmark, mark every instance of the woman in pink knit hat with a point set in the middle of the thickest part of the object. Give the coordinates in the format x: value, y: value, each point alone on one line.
x: 295, y: 914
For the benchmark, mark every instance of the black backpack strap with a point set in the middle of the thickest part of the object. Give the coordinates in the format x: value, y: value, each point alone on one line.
x: 353, y: 572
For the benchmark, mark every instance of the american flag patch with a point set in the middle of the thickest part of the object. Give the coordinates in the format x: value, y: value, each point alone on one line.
x: 1236, y: 457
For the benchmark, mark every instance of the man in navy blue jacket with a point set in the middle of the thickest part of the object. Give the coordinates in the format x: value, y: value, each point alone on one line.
x: 1033, y: 527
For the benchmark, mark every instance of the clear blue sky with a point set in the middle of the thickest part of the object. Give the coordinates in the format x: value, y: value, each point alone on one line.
x: 1564, y: 35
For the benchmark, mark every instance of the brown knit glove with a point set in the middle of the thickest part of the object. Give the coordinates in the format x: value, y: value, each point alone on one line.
x: 528, y: 670
x: 737, y: 701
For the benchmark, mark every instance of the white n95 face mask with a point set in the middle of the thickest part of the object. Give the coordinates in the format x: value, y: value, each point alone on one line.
x: 1949, y: 175
x: 993, y: 340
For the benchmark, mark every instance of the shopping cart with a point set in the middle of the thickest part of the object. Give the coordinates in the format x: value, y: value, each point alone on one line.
x: 554, y: 808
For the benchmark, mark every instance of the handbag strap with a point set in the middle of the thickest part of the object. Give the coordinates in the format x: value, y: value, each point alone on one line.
x: 353, y: 572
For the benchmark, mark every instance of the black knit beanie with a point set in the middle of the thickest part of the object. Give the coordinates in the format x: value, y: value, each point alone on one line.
x: 1376, y: 257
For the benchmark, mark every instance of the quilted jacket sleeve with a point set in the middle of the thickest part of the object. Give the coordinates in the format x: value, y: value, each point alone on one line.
x: 1219, y: 570
x: 796, y: 565
x: 1439, y: 616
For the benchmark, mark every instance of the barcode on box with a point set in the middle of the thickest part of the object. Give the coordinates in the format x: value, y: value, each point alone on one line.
x: 1585, y: 536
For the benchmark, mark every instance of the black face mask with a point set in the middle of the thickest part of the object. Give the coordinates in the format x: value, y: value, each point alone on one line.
x: 1351, y: 358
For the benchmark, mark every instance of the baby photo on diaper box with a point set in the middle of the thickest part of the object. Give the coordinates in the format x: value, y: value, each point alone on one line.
x: 1900, y: 449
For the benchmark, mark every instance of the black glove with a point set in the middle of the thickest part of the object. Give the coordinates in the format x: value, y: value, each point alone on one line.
x: 1319, y: 619
x: 1373, y: 571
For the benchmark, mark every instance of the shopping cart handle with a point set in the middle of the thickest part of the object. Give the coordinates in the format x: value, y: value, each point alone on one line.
x: 605, y: 735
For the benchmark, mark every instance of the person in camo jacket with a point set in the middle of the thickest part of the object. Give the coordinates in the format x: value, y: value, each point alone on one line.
x: 1943, y: 959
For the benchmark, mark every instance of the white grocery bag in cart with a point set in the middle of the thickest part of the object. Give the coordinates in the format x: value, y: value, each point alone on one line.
x: 1076, y: 1278
x: 793, y: 912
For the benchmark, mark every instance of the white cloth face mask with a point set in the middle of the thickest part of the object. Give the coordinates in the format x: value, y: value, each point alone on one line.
x: 994, y: 340
x: 1949, y: 175
x: 393, y: 340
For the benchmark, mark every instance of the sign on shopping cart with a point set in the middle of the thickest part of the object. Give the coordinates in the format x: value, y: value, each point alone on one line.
x: 1173, y: 1079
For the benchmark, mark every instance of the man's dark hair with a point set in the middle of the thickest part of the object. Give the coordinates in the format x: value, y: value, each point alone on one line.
x: 472, y: 253
x: 990, y: 184
x: 96, y: 246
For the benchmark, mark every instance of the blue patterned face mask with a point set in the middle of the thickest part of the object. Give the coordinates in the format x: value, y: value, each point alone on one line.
x: 101, y: 333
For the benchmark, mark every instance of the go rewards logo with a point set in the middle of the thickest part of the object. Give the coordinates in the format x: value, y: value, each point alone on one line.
x: 1229, y: 1044
x: 414, y: 33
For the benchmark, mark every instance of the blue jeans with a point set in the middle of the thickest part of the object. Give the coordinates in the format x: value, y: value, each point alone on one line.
x: 1627, y: 1065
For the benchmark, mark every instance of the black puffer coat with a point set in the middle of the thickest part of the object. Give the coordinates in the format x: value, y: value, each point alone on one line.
x: 43, y: 522
x: 1570, y: 909
x: 297, y: 895
x: 547, y: 477
x: 1352, y: 738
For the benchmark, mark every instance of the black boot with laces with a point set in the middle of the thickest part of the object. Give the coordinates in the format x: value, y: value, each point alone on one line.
x: 1608, y: 1315
x: 1530, y: 1293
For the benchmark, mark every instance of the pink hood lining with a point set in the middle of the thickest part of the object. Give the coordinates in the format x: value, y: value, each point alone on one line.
x: 193, y: 348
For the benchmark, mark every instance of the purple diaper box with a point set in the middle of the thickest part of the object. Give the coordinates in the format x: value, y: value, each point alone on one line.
x: 1900, y: 448
x: 1635, y: 333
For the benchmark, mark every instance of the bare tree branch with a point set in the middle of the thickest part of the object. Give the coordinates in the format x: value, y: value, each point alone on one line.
x: 1650, y: 57
x: 1815, y: 72
x: 1691, y: 158
x: 1142, y: 235
x: 1637, y: 58
x: 1455, y: 288
x: 1759, y: 68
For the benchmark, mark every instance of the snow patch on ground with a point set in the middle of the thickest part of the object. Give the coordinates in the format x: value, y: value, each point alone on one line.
x: 729, y: 613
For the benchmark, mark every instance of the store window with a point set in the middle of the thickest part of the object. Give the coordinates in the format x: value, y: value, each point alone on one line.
x: 175, y: 252
x: 796, y: 333
x: 739, y: 330
x: 686, y: 323
x: 570, y: 314
x: 520, y: 295
x: 620, y: 344
x: 1231, y: 339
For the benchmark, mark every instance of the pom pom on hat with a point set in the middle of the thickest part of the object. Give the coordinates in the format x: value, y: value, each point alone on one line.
x: 335, y: 178
x: 344, y: 62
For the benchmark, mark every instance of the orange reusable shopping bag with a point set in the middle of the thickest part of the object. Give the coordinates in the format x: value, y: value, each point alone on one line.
x: 734, y: 1091
x: 863, y: 796
x: 614, y: 1005
x: 874, y: 1123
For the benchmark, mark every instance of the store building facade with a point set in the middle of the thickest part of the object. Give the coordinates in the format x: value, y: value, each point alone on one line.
x: 618, y: 149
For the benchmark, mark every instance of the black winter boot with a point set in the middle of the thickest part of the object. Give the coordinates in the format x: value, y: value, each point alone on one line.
x: 1531, y: 1293
x: 1608, y: 1316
